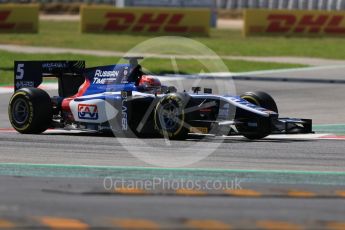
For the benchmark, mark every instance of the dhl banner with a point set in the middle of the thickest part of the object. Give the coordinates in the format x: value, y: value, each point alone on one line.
x: 294, y: 23
x: 18, y: 18
x: 170, y: 21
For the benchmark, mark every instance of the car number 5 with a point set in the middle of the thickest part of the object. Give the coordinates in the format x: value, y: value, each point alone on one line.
x: 20, y: 72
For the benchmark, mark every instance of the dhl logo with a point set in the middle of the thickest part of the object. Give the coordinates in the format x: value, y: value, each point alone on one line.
x: 147, y: 22
x: 4, y: 25
x: 152, y: 23
x: 308, y: 23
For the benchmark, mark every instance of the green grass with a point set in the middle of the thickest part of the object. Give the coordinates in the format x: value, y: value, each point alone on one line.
x: 154, y: 65
x: 223, y: 42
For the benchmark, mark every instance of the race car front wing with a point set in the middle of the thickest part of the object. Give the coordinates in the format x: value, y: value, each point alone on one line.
x: 278, y: 126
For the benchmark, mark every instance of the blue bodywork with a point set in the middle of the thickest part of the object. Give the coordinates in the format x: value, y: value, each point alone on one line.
x: 111, y: 78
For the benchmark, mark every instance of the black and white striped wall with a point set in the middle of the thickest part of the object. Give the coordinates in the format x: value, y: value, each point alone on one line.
x: 283, y: 4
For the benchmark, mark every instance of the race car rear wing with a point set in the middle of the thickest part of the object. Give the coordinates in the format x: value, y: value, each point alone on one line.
x: 31, y: 74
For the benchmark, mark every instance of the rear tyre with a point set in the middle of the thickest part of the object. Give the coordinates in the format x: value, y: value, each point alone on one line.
x: 30, y: 111
x: 170, y: 117
x: 263, y: 127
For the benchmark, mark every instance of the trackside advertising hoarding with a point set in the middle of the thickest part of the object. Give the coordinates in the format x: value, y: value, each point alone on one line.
x: 170, y: 21
x: 18, y: 18
x: 294, y: 23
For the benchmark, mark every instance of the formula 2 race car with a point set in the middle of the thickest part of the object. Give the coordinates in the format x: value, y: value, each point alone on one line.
x: 122, y: 99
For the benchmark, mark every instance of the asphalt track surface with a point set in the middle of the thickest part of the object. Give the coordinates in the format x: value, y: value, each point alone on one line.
x: 63, y: 180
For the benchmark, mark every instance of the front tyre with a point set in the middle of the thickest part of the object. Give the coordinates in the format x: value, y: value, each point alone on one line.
x: 262, y: 129
x: 261, y: 99
x: 263, y: 125
x: 170, y: 117
x: 30, y: 111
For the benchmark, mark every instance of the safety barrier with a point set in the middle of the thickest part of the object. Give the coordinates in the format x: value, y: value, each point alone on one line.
x: 282, y: 4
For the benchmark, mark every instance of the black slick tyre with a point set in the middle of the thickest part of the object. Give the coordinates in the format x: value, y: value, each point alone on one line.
x: 263, y: 127
x: 170, y: 117
x: 30, y: 111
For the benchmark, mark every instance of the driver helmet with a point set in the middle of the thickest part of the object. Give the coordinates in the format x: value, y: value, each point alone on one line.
x: 149, y: 83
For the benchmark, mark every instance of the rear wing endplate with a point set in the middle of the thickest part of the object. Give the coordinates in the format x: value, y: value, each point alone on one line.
x: 31, y: 74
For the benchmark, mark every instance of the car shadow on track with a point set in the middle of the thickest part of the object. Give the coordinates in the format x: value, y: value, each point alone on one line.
x: 191, y: 138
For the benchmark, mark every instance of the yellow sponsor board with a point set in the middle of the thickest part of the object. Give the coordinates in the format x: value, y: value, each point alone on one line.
x: 145, y: 20
x: 18, y: 18
x: 294, y: 23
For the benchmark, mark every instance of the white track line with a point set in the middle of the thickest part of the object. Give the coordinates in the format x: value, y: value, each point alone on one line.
x: 45, y: 86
